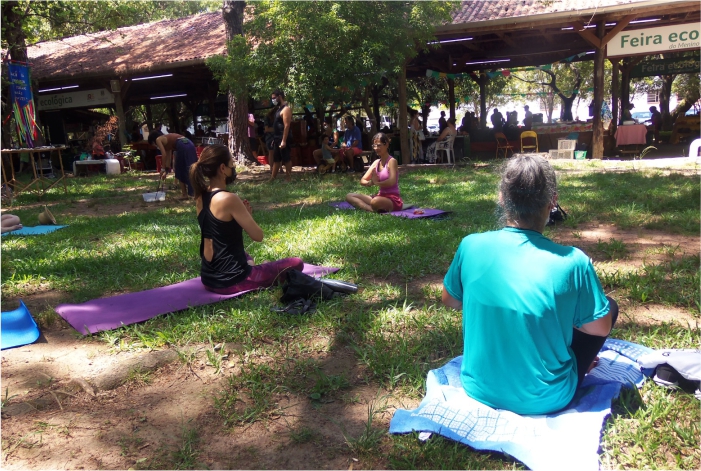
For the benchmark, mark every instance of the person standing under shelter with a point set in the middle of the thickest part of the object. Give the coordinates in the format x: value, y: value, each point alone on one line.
x: 281, y: 132
x: 656, y: 120
x: 534, y: 312
x: 527, y: 118
x: 497, y: 120
x: 186, y: 155
x: 352, y: 142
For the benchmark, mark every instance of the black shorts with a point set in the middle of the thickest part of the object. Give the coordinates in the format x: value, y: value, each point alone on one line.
x: 281, y: 155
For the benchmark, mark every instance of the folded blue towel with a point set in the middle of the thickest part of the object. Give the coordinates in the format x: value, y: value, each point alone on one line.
x: 568, y: 439
x: 36, y: 230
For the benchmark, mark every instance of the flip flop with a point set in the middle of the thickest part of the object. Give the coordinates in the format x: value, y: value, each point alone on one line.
x: 300, y: 306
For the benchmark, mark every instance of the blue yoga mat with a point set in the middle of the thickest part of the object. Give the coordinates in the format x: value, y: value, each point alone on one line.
x: 36, y: 230
x: 18, y: 328
x: 568, y: 439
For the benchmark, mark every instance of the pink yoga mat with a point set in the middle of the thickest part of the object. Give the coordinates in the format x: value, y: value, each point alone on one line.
x: 125, y: 309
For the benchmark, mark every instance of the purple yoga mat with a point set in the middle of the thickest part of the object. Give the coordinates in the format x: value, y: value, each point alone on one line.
x: 411, y: 213
x: 415, y: 213
x: 125, y: 309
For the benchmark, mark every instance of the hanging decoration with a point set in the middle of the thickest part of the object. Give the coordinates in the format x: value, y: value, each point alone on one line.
x: 22, y: 103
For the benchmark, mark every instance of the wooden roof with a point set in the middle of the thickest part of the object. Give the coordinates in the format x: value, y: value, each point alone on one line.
x: 533, y: 32
x: 131, y: 50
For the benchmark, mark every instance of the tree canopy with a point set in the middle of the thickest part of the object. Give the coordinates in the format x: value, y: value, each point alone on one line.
x: 325, y: 51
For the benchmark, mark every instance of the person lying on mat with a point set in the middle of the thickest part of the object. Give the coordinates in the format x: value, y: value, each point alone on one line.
x: 534, y: 312
x: 9, y: 223
x: 223, y: 217
x: 384, y: 174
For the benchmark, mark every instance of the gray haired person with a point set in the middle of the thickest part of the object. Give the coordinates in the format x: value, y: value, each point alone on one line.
x: 534, y: 312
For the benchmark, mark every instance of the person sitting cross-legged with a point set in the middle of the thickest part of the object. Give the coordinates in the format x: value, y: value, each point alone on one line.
x: 330, y: 157
x: 534, y: 312
x: 384, y: 174
x: 222, y: 217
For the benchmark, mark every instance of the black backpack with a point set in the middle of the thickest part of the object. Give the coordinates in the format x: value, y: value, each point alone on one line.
x: 557, y: 214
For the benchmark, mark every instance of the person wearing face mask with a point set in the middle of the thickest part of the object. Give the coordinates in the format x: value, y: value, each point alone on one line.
x: 226, y: 268
x: 281, y: 131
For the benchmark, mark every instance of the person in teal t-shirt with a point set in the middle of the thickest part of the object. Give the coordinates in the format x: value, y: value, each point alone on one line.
x: 534, y: 312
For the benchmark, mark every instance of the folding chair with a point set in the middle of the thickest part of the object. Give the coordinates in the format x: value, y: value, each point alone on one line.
x: 503, y: 143
x: 529, y: 135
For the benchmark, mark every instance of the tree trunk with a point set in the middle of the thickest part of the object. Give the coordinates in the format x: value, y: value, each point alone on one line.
x: 368, y: 111
x: 12, y: 31
x: 597, y: 142
x: 665, y: 95
x: 483, y: 101
x: 376, y: 104
x: 403, y: 124
x: 17, y: 51
x: 451, y: 96
x: 232, y: 12
x: 425, y: 111
x: 174, y: 122
x: 566, y: 107
x: 686, y: 103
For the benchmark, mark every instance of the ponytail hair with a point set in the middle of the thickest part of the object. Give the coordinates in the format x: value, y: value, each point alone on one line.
x: 207, y: 167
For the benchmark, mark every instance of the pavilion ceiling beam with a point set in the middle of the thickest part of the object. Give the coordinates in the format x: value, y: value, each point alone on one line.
x: 587, y: 35
x: 507, y: 39
x: 622, y: 23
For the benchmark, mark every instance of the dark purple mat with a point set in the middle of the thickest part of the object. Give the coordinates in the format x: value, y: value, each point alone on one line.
x: 411, y: 213
x: 415, y: 213
x: 125, y: 309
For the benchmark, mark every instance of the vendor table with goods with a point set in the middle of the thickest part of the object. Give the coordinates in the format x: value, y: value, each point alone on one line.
x: 549, y: 134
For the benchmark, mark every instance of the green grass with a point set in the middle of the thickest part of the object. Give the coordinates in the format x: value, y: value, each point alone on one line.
x: 395, y: 326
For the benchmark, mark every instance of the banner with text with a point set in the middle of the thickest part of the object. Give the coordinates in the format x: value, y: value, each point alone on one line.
x: 680, y: 65
x: 79, y: 99
x: 22, y: 103
x: 655, y: 40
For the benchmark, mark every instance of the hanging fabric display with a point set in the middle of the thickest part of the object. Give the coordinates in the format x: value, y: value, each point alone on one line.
x: 22, y: 103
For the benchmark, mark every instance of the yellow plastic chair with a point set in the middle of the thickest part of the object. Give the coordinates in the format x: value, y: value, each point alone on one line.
x: 529, y: 135
x: 503, y: 144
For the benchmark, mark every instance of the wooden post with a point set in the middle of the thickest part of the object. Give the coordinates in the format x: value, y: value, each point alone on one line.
x: 483, y: 100
x: 403, y: 124
x: 615, y: 63
x: 451, y: 96
x: 122, y: 119
x: 149, y: 117
x: 597, y: 142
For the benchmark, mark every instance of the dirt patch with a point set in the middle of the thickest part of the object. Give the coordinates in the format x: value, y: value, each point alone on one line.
x: 605, y: 243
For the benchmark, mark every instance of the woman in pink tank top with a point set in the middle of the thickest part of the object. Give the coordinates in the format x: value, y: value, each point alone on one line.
x: 384, y: 174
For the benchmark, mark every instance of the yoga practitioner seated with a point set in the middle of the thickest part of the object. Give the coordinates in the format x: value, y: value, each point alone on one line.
x: 383, y: 173
x: 9, y: 223
x: 223, y: 217
x: 534, y: 313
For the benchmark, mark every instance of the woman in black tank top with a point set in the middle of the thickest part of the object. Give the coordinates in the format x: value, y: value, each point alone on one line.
x: 223, y: 216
